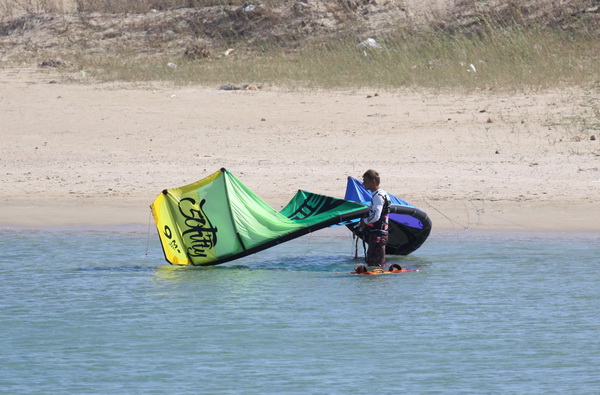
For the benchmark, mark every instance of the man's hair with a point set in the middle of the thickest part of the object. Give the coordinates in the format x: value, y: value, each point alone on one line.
x: 372, y: 175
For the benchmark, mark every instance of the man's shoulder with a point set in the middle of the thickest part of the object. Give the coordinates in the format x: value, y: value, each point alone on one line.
x: 383, y: 195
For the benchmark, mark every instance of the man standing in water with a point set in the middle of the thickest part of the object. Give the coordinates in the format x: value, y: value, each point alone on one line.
x: 376, y: 222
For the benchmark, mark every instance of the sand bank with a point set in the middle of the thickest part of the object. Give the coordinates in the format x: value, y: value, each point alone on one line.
x: 98, y: 154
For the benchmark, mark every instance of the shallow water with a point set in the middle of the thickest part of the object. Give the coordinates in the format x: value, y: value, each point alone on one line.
x: 488, y: 312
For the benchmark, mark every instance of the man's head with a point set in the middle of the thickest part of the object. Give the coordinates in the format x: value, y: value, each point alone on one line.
x: 371, y: 180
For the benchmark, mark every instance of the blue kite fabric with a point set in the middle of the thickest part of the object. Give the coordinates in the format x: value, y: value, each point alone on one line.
x: 409, y: 226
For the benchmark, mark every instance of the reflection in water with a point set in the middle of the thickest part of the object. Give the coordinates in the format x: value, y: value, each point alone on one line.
x: 252, y: 267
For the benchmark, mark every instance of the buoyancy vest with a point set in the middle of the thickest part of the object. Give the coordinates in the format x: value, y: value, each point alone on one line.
x: 382, y: 223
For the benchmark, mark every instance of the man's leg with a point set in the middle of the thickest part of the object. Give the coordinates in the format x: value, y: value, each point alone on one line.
x: 376, y: 251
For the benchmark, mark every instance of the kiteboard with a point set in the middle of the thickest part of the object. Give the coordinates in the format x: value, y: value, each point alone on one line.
x: 393, y: 269
x: 381, y: 271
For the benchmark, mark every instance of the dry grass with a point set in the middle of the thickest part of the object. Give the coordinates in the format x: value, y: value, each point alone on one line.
x: 11, y: 8
x: 503, y: 49
x: 513, y: 60
x: 15, y: 7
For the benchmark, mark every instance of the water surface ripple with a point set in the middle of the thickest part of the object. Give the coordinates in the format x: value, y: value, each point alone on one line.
x: 86, y: 312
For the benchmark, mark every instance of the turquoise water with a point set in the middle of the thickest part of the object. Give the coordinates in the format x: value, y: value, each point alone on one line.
x: 99, y: 312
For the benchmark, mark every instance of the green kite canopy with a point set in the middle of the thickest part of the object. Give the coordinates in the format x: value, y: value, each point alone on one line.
x: 218, y: 219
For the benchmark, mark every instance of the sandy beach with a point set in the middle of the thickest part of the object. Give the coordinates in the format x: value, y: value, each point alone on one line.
x: 98, y: 154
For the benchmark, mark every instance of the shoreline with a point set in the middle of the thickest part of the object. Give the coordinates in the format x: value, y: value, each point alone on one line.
x: 446, y: 216
x: 333, y: 232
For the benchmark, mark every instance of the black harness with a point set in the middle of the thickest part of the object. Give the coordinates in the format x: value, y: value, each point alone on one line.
x: 381, y: 225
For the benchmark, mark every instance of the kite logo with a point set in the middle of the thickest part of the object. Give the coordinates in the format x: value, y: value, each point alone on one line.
x: 316, y: 204
x: 202, y: 235
x: 169, y: 235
